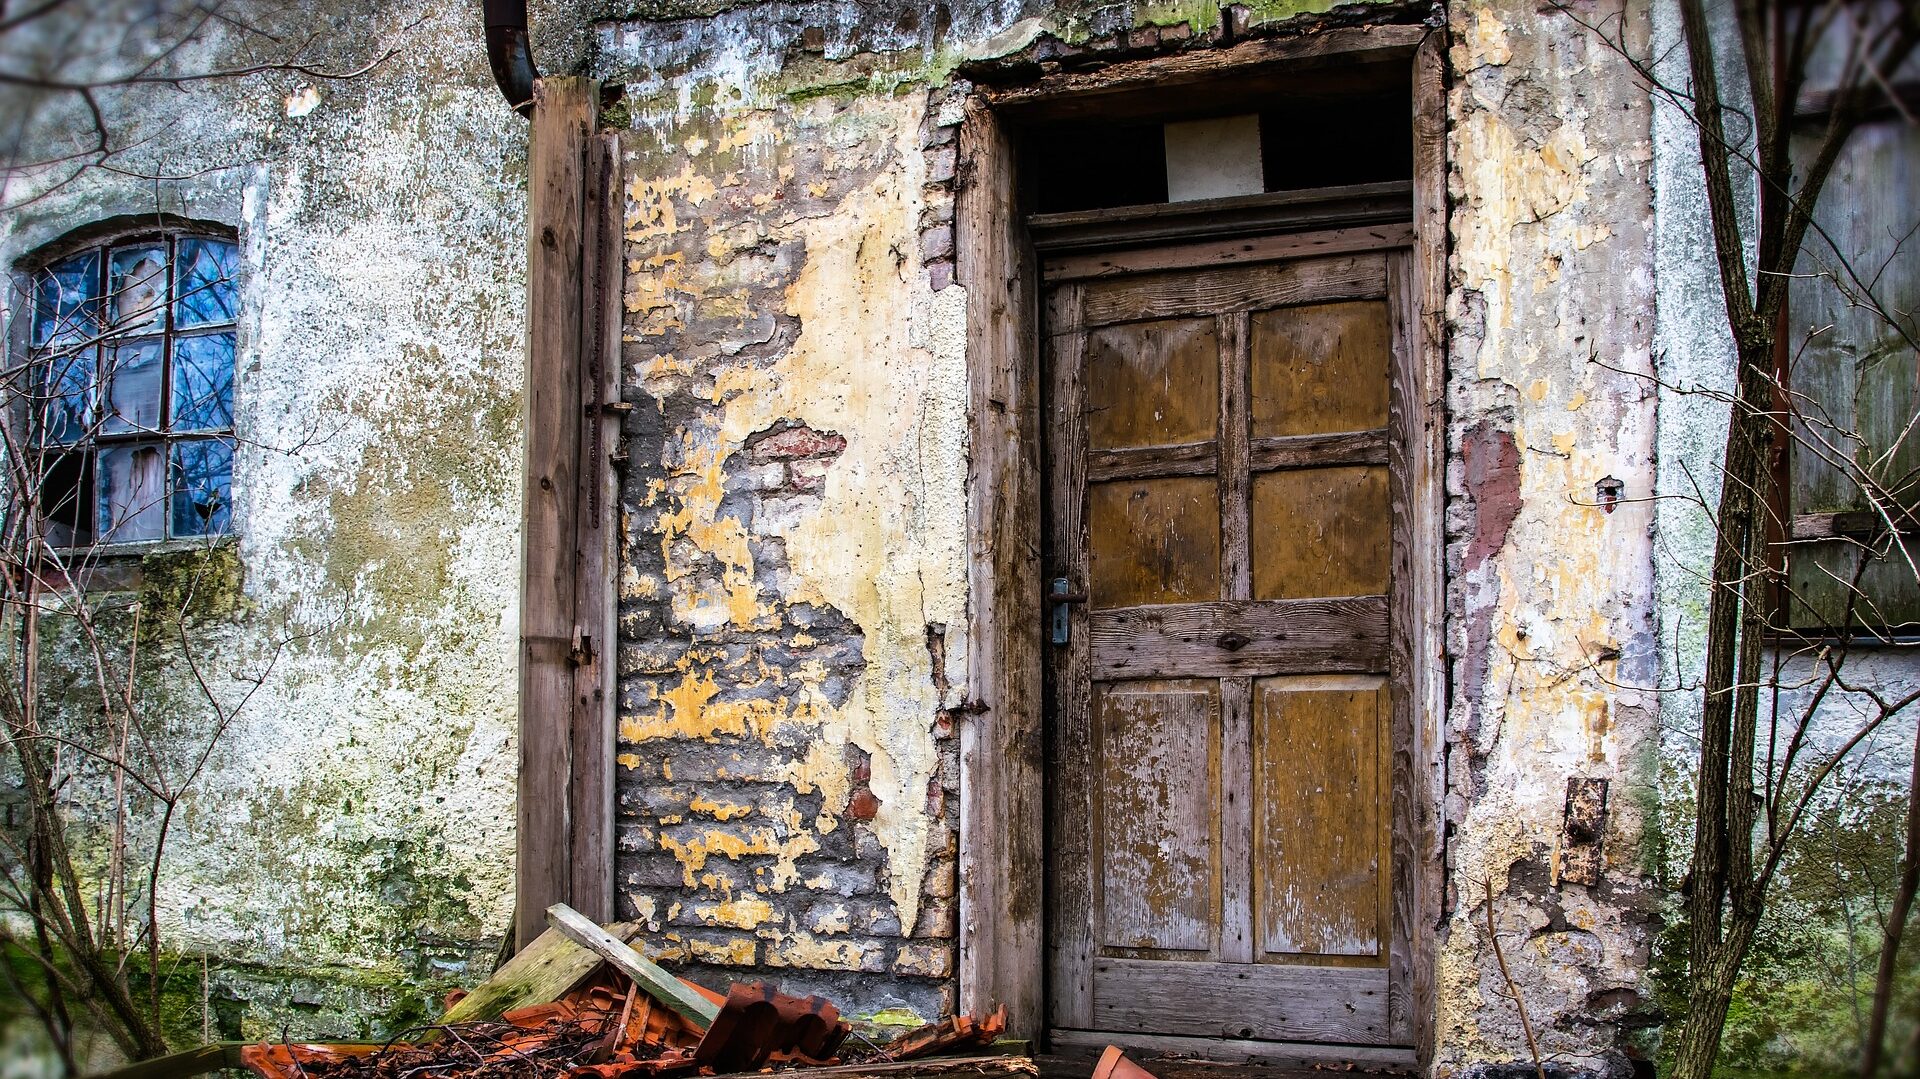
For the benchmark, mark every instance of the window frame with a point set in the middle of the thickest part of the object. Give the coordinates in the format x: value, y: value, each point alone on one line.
x: 102, y: 241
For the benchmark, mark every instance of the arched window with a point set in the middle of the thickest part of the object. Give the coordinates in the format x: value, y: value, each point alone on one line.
x: 132, y: 410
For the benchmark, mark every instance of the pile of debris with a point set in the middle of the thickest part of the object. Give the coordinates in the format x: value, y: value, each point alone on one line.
x: 581, y: 1003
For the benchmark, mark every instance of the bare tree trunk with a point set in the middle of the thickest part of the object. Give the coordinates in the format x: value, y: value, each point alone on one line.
x: 1715, y: 951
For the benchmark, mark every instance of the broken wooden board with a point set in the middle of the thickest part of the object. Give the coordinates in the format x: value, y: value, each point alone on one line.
x: 209, y: 1058
x: 975, y: 1067
x: 648, y: 975
x: 548, y: 969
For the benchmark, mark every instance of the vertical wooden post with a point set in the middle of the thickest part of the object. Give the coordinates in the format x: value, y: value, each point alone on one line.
x: 565, y: 787
x: 1425, y: 579
x: 591, y: 792
x: 1002, y: 816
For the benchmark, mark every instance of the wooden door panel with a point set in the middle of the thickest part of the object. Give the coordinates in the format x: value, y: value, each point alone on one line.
x: 1321, y: 532
x: 1153, y: 541
x: 1153, y: 384
x: 1158, y: 794
x: 1266, y: 1001
x: 1320, y: 768
x: 1320, y: 368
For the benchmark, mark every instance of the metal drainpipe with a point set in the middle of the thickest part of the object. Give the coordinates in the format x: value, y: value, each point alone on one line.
x: 509, y: 54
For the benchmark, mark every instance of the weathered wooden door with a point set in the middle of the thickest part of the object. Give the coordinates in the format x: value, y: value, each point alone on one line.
x: 1225, y: 497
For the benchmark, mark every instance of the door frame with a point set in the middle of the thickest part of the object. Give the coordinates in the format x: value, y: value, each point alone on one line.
x: 1002, y: 871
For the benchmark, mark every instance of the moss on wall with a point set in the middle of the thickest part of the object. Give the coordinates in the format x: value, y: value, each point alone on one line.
x: 1801, y: 1005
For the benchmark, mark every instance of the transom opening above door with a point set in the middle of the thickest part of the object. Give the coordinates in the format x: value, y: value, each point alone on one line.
x: 1331, y: 129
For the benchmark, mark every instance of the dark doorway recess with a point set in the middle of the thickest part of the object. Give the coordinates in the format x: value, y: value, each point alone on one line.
x: 1329, y: 128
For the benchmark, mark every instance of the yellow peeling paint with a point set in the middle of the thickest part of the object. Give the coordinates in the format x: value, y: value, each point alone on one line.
x: 637, y: 585
x: 688, y: 710
x: 718, y: 810
x: 693, y: 852
x: 804, y: 950
x: 651, y: 212
x: 746, y: 913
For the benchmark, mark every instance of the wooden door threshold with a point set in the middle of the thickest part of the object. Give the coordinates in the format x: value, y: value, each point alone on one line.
x: 1213, y: 1052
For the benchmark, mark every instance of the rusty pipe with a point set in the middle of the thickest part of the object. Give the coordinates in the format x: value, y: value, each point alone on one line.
x: 509, y: 54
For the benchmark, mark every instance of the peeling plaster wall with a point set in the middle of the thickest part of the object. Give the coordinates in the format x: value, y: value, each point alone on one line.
x: 1550, y: 613
x: 349, y: 851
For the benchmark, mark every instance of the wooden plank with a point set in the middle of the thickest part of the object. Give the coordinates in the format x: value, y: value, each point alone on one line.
x: 563, y: 116
x: 1421, y: 388
x: 547, y: 969
x: 1249, y: 250
x: 1402, y: 619
x: 1240, y: 637
x: 646, y: 974
x: 1231, y: 1050
x: 1071, y: 929
x: 1352, y: 207
x: 596, y: 553
x: 1259, y: 1001
x: 1848, y: 524
x: 1320, y: 451
x: 1236, y: 565
x: 1158, y: 776
x: 1320, y: 368
x: 977, y: 1067
x: 1148, y: 462
x: 1158, y: 296
x: 1321, y: 823
x: 1234, y: 801
x: 1002, y: 824
x: 1129, y: 371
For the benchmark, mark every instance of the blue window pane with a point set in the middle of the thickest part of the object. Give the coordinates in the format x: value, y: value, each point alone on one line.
x: 204, y: 283
x: 203, y: 382
x: 137, y: 289
x: 203, y: 487
x: 133, y: 376
x: 66, y: 298
x: 65, y: 399
x: 132, y: 494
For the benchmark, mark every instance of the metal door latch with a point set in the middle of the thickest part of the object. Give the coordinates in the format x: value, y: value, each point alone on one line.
x: 1062, y: 619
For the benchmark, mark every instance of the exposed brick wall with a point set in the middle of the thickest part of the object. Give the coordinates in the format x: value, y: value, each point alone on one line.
x: 755, y: 835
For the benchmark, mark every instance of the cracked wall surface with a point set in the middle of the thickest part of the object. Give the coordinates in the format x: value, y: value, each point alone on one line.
x: 1550, y: 601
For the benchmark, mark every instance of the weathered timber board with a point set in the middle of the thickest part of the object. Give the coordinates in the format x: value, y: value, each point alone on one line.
x: 548, y: 969
x: 1260, y: 1001
x: 1261, y: 637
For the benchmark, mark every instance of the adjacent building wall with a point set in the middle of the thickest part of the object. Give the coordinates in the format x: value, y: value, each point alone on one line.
x: 1830, y: 882
x: 348, y: 853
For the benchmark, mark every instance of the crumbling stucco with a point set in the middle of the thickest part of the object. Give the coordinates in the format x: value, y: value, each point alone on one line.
x: 1550, y: 601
